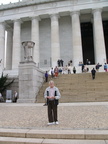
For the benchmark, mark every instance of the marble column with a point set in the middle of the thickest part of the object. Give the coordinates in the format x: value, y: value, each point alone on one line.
x: 16, y: 44
x: 55, y: 44
x: 77, y: 55
x: 99, y: 44
x: 2, y: 45
x: 35, y: 39
x: 9, y: 49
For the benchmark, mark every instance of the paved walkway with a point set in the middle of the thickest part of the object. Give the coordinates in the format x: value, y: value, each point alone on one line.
x: 71, y: 116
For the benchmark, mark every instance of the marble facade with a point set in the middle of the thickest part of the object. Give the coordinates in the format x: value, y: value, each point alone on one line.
x: 54, y: 26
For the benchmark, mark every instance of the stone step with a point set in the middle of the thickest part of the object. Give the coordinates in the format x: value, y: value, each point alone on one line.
x: 76, y: 84
x: 81, y: 90
x: 8, y: 140
x: 80, y: 98
x: 80, y: 87
x: 54, y: 134
x: 80, y: 93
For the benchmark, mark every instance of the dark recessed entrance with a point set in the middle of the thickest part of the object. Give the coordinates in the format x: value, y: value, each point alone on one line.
x: 87, y: 42
x: 105, y: 27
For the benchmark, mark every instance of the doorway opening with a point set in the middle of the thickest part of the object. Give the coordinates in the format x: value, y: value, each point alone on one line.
x: 87, y: 42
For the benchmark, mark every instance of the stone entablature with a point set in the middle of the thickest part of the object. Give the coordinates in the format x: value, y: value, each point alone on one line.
x: 32, y: 8
x: 37, y: 2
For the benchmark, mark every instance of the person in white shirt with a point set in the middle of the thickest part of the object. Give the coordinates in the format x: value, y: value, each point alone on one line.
x: 52, y: 95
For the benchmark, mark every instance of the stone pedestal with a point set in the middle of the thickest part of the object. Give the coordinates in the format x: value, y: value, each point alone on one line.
x: 30, y: 80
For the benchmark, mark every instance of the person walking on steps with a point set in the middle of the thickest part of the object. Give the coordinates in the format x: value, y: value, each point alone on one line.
x: 46, y: 76
x: 93, y: 71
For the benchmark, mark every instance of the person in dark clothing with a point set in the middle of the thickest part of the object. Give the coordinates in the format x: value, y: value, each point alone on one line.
x: 97, y: 67
x: 58, y: 62
x: 74, y: 70
x: 15, y: 97
x: 61, y: 62
x: 71, y: 62
x: 82, y: 68
x: 93, y: 71
x: 46, y: 76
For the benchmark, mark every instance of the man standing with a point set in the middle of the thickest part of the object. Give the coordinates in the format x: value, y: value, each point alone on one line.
x: 1, y: 98
x: 52, y: 95
x: 61, y: 61
x: 58, y: 63
x: 46, y: 76
x: 93, y: 73
x: 15, y: 97
x: 56, y: 71
x: 52, y: 73
x: 87, y: 62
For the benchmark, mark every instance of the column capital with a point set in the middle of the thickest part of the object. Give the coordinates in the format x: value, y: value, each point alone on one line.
x: 74, y: 12
x: 8, y: 27
x: 97, y: 10
x: 54, y: 16
x: 3, y: 23
x: 17, y: 20
x: 36, y: 17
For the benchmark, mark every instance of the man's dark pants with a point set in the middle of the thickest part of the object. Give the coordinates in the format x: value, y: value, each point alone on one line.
x: 93, y: 76
x: 52, y: 111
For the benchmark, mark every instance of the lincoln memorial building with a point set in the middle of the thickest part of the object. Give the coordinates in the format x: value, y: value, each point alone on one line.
x: 61, y: 29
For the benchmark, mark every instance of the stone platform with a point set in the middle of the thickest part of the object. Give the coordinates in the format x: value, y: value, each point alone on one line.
x: 79, y: 123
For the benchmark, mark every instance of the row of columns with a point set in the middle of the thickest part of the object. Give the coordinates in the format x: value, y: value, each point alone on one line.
x: 77, y: 55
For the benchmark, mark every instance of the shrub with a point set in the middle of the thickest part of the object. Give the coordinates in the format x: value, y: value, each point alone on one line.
x: 4, y: 82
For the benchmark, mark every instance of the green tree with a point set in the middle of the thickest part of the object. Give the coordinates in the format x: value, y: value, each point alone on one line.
x: 4, y: 82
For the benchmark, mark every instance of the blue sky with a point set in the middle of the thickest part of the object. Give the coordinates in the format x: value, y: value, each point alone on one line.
x: 8, y: 1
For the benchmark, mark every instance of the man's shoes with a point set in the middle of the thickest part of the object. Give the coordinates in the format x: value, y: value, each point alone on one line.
x: 56, y: 122
x: 45, y: 105
x: 53, y: 123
